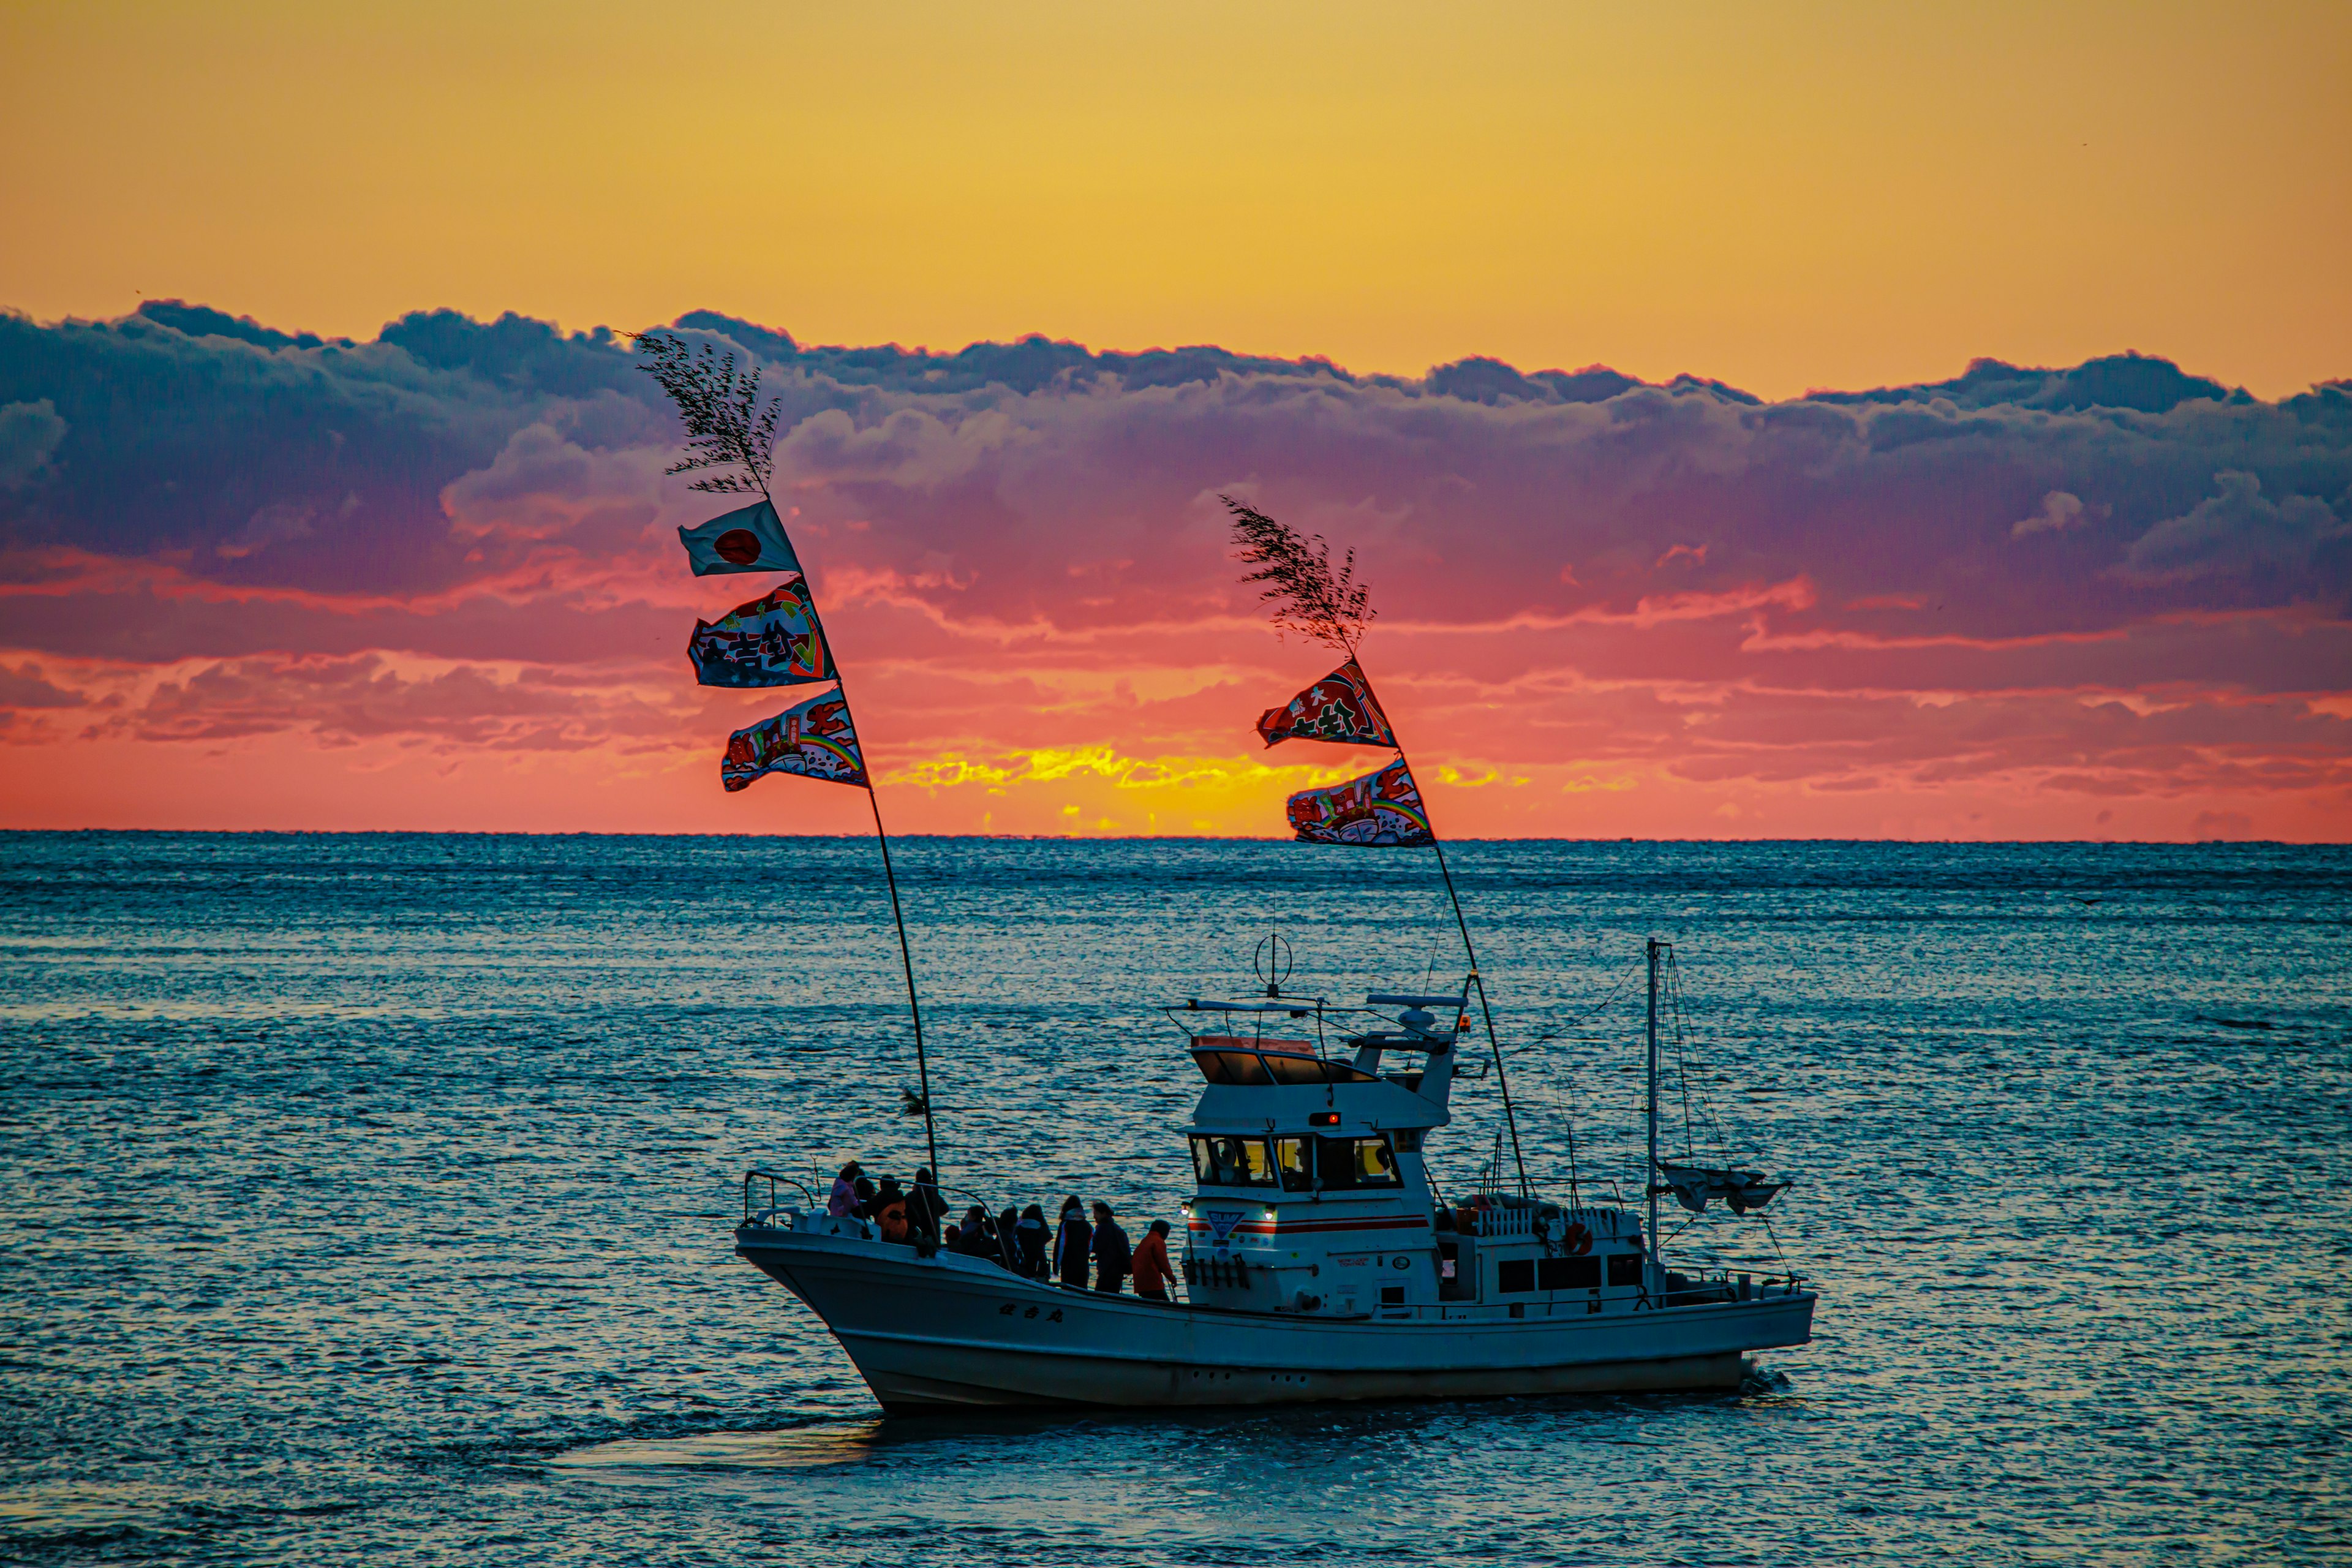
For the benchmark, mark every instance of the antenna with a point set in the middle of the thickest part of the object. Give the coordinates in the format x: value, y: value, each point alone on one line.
x: 1274, y: 960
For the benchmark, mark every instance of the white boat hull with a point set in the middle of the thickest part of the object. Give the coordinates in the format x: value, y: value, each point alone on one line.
x: 947, y: 1332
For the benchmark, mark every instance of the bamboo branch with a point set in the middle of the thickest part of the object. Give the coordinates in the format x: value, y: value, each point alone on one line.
x: 1302, y: 592
x: 727, y: 428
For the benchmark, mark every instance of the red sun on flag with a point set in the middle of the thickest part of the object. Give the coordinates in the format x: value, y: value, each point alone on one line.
x: 737, y: 546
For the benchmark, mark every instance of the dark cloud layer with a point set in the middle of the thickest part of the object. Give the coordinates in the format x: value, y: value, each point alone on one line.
x: 249, y: 455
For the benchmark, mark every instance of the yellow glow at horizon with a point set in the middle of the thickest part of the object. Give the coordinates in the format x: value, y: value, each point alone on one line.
x: 1782, y: 196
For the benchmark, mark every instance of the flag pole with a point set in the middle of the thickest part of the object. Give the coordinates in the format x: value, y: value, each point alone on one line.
x: 906, y: 957
x: 727, y: 428
x: 890, y: 877
x: 1494, y: 1042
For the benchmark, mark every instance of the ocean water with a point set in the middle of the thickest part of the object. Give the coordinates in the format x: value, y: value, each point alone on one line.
x: 368, y: 1198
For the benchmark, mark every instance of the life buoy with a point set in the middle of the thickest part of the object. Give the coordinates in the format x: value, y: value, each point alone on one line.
x: 1576, y: 1240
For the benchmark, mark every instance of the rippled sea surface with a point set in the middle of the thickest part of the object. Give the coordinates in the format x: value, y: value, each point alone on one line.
x: 368, y: 1198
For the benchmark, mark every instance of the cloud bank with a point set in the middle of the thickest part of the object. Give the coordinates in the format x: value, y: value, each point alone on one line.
x: 243, y: 570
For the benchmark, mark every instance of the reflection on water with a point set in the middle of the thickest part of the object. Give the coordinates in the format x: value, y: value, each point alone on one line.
x: 368, y: 1197
x: 1285, y: 1479
x: 813, y: 1447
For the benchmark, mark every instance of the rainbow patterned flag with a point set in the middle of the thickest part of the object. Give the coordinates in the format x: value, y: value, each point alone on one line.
x: 813, y: 740
x: 1339, y: 706
x: 1380, y: 810
x: 774, y: 640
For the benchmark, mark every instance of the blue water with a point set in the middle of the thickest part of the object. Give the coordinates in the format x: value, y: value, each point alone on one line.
x: 368, y: 1198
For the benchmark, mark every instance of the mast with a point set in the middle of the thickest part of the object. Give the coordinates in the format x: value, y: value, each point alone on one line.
x: 1650, y: 1180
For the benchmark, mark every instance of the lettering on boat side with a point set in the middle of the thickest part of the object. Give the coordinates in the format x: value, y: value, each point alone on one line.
x: 1006, y: 1311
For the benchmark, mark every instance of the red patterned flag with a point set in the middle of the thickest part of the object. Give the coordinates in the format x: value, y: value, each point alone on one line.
x: 774, y: 640
x: 813, y: 740
x: 1339, y: 706
x: 1380, y: 809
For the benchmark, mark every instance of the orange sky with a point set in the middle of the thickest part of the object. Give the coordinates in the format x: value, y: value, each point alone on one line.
x: 1781, y: 196
x: 2033, y: 619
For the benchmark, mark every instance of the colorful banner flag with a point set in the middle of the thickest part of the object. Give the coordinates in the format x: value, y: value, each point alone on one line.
x: 774, y: 640
x: 749, y: 538
x: 813, y: 740
x: 1339, y: 706
x: 1380, y: 809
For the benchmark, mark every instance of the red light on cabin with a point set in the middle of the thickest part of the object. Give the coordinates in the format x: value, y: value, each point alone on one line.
x: 1324, y: 1119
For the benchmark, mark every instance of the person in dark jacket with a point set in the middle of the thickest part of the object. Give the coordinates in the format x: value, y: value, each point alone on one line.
x: 1113, y: 1257
x: 1034, y: 1244
x: 971, y: 1238
x: 925, y: 1206
x: 1008, y: 1242
x: 1072, y: 1244
x: 863, y: 1190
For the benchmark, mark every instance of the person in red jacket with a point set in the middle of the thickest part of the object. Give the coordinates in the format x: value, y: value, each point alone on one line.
x: 1153, y: 1275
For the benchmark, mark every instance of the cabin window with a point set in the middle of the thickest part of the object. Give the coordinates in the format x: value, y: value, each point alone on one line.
x: 1514, y: 1275
x: 1293, y: 1069
x: 1294, y: 1159
x: 1569, y: 1274
x: 1342, y: 1072
x: 1349, y: 1163
x: 1222, y: 1162
x: 1624, y: 1268
x: 1242, y: 1066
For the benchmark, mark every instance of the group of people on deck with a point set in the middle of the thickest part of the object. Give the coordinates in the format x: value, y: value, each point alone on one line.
x: 1080, y: 1253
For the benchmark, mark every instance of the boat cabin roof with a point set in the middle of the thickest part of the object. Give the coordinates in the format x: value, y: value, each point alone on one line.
x: 1259, y: 1059
x: 1235, y: 1059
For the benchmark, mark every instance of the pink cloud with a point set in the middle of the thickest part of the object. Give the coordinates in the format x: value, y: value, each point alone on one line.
x: 1834, y: 597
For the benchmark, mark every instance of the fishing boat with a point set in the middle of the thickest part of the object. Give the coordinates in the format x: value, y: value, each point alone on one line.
x: 1320, y: 1259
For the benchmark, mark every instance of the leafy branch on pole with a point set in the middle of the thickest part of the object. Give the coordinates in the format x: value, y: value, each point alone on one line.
x: 726, y: 426
x: 1303, y: 592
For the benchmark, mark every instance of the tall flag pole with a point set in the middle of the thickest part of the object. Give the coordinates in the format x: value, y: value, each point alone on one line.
x: 1306, y: 593
x: 777, y: 639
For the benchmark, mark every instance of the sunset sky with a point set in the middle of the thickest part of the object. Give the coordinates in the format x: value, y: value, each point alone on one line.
x: 422, y: 573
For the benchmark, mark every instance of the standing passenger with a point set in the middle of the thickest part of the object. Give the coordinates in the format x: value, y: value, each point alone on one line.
x: 843, y: 1200
x: 1113, y: 1257
x: 925, y: 1206
x: 1008, y: 1244
x: 1035, y: 1244
x: 1072, y: 1243
x: 1153, y: 1275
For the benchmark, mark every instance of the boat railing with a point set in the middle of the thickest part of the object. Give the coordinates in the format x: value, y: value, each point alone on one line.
x: 761, y: 1216
x: 1698, y: 1289
x: 1500, y: 1221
